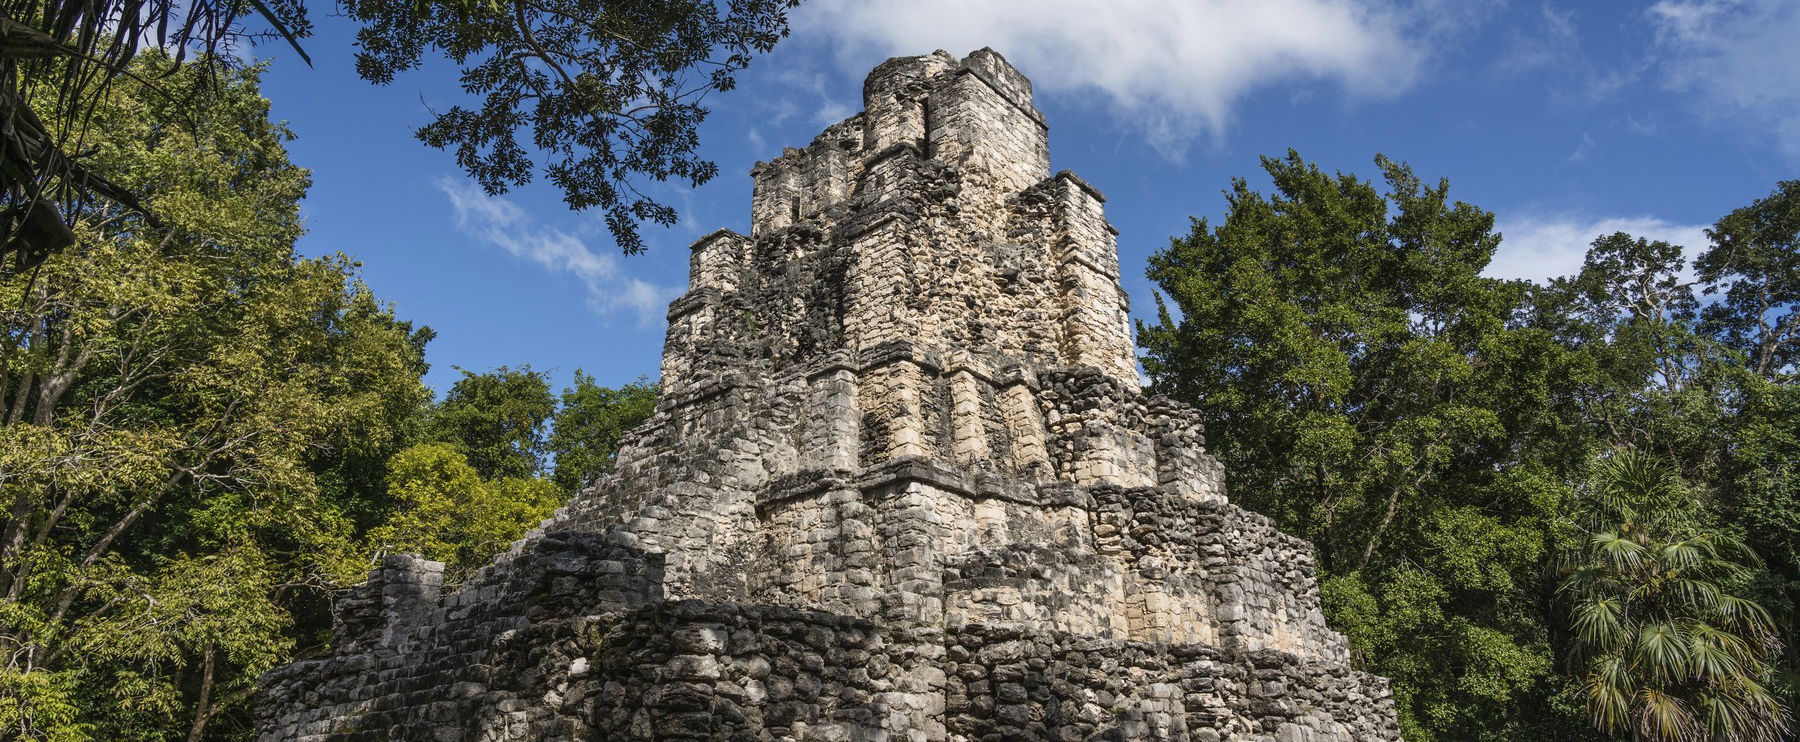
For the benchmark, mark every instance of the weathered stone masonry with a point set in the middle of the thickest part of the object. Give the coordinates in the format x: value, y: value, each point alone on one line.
x: 902, y: 484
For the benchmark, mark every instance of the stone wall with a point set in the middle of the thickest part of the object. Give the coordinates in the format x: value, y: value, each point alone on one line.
x: 901, y: 484
x: 1007, y: 682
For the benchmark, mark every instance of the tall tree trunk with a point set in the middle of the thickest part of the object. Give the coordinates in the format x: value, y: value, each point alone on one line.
x: 202, y: 707
x: 13, y: 537
x: 1387, y: 519
x: 1327, y: 500
x: 13, y: 581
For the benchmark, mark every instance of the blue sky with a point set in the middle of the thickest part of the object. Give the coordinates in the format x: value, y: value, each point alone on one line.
x: 1566, y: 120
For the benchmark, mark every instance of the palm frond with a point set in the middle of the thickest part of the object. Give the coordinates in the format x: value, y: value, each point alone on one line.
x: 1664, y: 717
x: 1686, y: 554
x: 1662, y: 648
x: 1698, y: 595
x: 1743, y: 710
x: 1599, y: 623
x: 1710, y: 658
x: 1745, y: 615
x: 1618, y: 551
x: 1609, y: 691
x: 1587, y: 581
x: 1722, y: 714
x: 1730, y: 549
x: 1739, y: 648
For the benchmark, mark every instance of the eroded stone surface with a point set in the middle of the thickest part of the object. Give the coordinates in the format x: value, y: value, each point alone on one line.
x: 901, y: 484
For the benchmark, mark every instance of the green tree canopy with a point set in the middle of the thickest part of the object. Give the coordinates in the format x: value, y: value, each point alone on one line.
x: 1369, y: 389
x: 445, y: 511
x: 498, y: 419
x: 1432, y: 431
x: 170, y: 390
x: 590, y: 425
x: 1755, y: 262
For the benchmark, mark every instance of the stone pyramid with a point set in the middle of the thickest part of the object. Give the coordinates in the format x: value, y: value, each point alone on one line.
x: 901, y: 484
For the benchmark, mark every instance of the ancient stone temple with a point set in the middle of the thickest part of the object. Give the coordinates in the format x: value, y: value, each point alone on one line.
x: 902, y: 484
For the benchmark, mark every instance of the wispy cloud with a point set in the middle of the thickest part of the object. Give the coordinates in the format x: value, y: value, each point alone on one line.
x: 1738, y: 58
x: 831, y: 112
x: 1540, y: 247
x: 1582, y: 149
x: 502, y: 223
x: 1551, y: 46
x: 1551, y: 40
x: 1176, y: 70
x: 807, y: 96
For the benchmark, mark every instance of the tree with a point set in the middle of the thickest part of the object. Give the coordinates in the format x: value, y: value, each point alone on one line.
x: 1753, y: 264
x: 476, y: 488
x: 1664, y: 648
x: 612, y: 91
x: 1434, y: 432
x: 1758, y: 488
x: 445, y: 511
x: 590, y: 425
x: 169, y: 390
x: 1755, y: 258
x: 1688, y: 384
x: 1372, y: 392
x: 498, y: 420
x: 1632, y: 287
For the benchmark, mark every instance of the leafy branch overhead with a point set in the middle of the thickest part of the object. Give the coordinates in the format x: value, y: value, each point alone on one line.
x: 608, y: 92
x: 56, y: 62
x: 604, y: 96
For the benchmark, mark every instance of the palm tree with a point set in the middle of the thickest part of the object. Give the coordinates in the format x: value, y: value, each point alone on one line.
x: 1663, y: 648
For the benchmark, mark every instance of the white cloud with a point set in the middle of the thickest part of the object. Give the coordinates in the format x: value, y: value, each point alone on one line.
x: 1738, y: 57
x: 1176, y: 69
x: 1544, y: 247
x: 502, y: 223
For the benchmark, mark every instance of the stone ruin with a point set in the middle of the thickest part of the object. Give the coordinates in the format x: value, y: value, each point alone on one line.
x: 901, y: 484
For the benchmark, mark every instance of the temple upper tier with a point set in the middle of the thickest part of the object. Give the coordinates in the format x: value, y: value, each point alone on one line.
x: 931, y: 219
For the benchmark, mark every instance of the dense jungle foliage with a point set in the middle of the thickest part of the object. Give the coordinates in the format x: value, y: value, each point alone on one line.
x: 1546, y: 511
x: 204, y: 435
